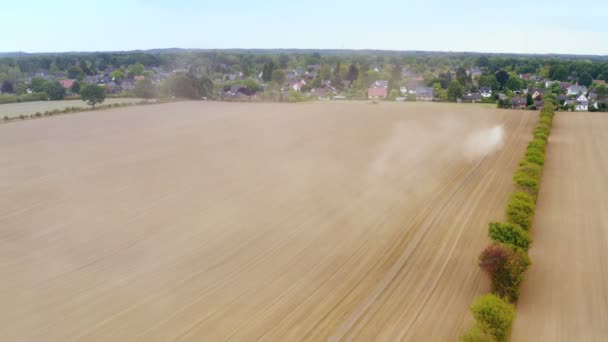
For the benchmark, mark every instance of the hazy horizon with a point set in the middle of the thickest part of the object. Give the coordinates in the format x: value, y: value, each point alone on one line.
x: 435, y: 25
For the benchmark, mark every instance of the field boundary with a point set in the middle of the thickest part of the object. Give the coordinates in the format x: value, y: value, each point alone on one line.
x: 74, y: 110
x: 506, y: 259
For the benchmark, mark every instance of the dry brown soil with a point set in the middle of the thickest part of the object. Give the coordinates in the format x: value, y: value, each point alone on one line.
x: 565, y: 293
x: 216, y: 221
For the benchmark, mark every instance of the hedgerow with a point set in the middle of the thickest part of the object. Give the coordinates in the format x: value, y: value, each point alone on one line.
x: 506, y: 260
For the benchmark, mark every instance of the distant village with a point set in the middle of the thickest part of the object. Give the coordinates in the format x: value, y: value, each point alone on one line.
x: 322, y: 81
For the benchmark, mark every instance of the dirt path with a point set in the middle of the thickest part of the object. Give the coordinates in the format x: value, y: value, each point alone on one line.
x: 216, y: 221
x: 565, y: 293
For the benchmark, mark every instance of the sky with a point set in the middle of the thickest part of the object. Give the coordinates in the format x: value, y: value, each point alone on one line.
x: 514, y: 26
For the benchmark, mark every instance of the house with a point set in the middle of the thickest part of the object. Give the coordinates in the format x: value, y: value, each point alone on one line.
x: 314, y: 67
x: 599, y: 82
x: 575, y: 90
x: 139, y: 78
x: 486, y: 92
x: 502, y: 96
x: 297, y: 85
x: 564, y: 86
x: 91, y: 79
x: 126, y: 85
x: 378, y: 90
x: 472, y: 97
x: 527, y: 76
x: 592, y: 96
x: 322, y: 92
x: 290, y: 75
x: 424, y: 94
x: 548, y: 83
x: 475, y: 72
x: 581, y: 103
x: 112, y: 88
x: 67, y: 84
x: 536, y: 93
x: 299, y: 71
x: 519, y: 103
x: 231, y: 77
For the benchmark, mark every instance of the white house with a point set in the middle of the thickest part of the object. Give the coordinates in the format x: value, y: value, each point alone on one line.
x: 486, y: 92
x: 548, y: 83
x: 581, y: 103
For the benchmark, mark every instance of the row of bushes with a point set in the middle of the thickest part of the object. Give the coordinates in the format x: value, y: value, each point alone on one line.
x: 506, y: 259
x: 23, y: 98
x: 73, y: 110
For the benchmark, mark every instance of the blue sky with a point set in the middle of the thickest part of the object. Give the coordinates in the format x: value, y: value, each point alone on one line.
x: 484, y: 26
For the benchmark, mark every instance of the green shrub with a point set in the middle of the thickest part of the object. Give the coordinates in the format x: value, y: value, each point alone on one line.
x: 510, y: 234
x: 535, y: 157
x: 533, y: 170
x: 520, y: 210
x: 538, y: 144
x: 475, y: 334
x: 505, y: 266
x: 527, y: 182
x: 494, y: 316
x: 6, y: 118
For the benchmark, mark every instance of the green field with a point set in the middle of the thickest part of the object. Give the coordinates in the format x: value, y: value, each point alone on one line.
x: 29, y: 108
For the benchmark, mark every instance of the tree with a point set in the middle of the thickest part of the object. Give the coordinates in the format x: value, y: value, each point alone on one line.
x: 54, y: 90
x: 559, y: 73
x: 76, y: 87
x: 353, y: 73
x: 252, y: 85
x: 37, y: 84
x: 7, y: 87
x: 455, y: 90
x: 510, y: 234
x: 502, y: 77
x: 278, y: 76
x: 75, y: 73
x: 494, y: 316
x: 135, y: 70
x: 462, y: 77
x: 514, y: 84
x: 529, y: 100
x: 602, y: 91
x: 483, y: 61
x: 325, y: 72
x: 117, y: 75
x: 267, y: 71
x: 488, y: 80
x: 439, y: 92
x: 190, y: 86
x: 585, y: 79
x: 93, y: 94
x: 145, y: 89
x: 506, y: 267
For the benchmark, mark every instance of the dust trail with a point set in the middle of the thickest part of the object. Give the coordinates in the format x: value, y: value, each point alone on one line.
x: 483, y: 142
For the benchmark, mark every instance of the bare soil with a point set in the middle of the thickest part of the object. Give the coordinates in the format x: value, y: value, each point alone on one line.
x: 216, y: 221
x: 565, y: 293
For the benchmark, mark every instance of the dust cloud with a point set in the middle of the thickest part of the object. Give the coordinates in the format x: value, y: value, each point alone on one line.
x: 483, y: 142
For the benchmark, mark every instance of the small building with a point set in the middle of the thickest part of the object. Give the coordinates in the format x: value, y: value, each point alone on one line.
x: 486, y: 92
x: 67, y: 84
x: 575, y: 90
x: 378, y: 90
x: 424, y: 94
x: 519, y: 103
x: 472, y: 97
x: 580, y: 103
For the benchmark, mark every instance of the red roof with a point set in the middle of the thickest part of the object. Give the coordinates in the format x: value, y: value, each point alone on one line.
x: 377, y: 92
x: 139, y: 78
x: 67, y: 83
